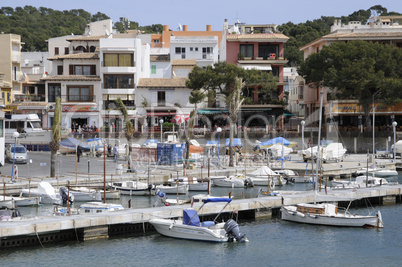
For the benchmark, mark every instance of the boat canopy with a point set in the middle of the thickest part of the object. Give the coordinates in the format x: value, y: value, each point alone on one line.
x: 190, y: 217
x: 236, y: 142
x: 151, y: 141
x: 277, y: 140
x: 218, y: 199
x: 72, y: 142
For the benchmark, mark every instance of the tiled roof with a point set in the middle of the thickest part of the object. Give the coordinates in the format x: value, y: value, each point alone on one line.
x: 87, y: 38
x: 264, y: 36
x: 357, y: 35
x: 72, y: 78
x: 184, y: 62
x: 163, y: 82
x: 159, y: 58
x: 76, y: 56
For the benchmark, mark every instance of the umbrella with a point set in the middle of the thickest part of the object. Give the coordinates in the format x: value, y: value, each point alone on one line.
x: 181, y: 118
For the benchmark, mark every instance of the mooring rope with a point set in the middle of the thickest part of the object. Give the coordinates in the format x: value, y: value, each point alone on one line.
x: 76, y: 234
x: 37, y: 235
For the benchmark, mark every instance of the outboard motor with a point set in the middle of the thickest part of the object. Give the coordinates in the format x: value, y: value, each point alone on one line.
x: 248, y: 182
x: 233, y: 232
x: 64, y: 195
x: 290, y: 180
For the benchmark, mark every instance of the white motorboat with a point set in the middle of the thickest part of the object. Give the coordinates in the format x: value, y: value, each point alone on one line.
x: 173, y: 189
x: 360, y: 182
x: 328, y: 214
x: 110, y: 194
x: 134, y: 188
x: 165, y: 201
x: 45, y: 192
x: 9, y: 214
x: 193, y: 184
x: 99, y: 207
x: 333, y: 151
x: 191, y: 228
x: 21, y: 201
x: 377, y: 171
x: 83, y: 194
x: 263, y: 180
x: 224, y: 181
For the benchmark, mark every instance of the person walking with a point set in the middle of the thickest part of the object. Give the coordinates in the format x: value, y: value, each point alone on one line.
x: 79, y: 153
x: 115, y: 152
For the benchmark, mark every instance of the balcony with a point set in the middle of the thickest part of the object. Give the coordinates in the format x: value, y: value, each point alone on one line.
x: 72, y: 98
x: 30, y: 98
x: 268, y: 59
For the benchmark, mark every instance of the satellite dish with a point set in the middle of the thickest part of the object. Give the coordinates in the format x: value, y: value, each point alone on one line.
x: 90, y: 33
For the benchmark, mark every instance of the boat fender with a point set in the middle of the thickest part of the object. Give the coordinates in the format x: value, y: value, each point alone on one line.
x: 300, y: 214
x: 315, y: 216
x: 171, y: 226
x: 271, y: 185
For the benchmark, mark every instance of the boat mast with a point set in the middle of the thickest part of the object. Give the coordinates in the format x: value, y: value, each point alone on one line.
x: 319, y: 140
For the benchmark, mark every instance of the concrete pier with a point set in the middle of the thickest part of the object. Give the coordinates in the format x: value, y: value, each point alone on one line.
x: 42, y: 230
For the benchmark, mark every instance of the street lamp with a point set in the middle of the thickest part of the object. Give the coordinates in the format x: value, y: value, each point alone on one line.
x: 15, y: 135
x: 302, y: 124
x: 161, y: 122
x: 218, y: 130
x: 394, y: 124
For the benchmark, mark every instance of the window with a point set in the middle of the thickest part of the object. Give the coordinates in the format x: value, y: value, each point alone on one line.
x: 79, y: 93
x: 60, y: 70
x: 206, y: 51
x: 82, y: 70
x: 66, y: 50
x: 196, y: 49
x: 161, y: 98
x: 118, y: 60
x: 115, y: 81
x: 301, y: 91
x: 156, y: 41
x: 54, y: 91
x: 56, y: 51
x: 153, y: 69
x: 1, y: 128
x: 246, y: 50
x: 191, y: 49
x: 182, y: 51
x: 15, y: 73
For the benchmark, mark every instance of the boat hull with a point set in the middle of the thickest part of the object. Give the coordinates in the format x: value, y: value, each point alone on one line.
x: 181, y: 189
x: 175, y: 229
x: 289, y: 214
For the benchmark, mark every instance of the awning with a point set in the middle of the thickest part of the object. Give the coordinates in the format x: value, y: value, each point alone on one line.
x: 256, y: 66
x: 122, y: 97
x: 288, y: 113
x: 160, y: 114
x: 207, y: 111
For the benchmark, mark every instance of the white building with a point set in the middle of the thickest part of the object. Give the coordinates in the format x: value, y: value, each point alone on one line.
x: 2, y: 138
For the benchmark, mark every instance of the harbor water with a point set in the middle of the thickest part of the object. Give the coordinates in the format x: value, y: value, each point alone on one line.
x: 273, y: 242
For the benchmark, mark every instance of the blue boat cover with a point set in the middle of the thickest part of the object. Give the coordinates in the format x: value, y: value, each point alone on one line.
x: 151, y: 141
x: 93, y: 140
x: 190, y: 217
x: 277, y: 140
x: 72, y: 142
x: 218, y: 199
x: 236, y: 142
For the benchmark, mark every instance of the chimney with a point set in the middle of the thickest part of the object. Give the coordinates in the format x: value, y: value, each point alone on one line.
x: 209, y: 28
x: 165, y: 28
x: 185, y: 28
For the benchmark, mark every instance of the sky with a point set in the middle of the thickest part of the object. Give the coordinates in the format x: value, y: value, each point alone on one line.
x: 198, y: 14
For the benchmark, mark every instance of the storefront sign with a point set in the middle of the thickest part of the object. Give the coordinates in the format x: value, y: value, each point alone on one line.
x: 354, y: 108
x: 76, y: 108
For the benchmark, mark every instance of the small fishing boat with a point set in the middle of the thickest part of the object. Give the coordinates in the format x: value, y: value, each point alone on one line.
x: 193, y: 184
x: 134, y: 188
x: 9, y: 214
x: 224, y: 181
x: 84, y: 194
x: 190, y: 227
x: 99, y: 207
x: 21, y: 201
x: 173, y: 189
x: 360, y: 182
x: 328, y: 214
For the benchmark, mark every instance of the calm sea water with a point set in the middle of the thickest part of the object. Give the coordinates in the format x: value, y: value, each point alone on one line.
x: 273, y: 242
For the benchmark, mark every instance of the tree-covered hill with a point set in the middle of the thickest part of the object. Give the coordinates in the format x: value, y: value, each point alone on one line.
x: 37, y: 25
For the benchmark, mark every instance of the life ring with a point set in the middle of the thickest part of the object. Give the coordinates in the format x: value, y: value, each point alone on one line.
x: 271, y: 185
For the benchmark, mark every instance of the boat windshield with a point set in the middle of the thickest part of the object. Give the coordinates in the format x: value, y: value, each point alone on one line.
x: 36, y: 124
x: 18, y: 149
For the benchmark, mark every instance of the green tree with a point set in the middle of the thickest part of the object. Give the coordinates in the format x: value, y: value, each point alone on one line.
x: 56, y: 135
x: 357, y: 70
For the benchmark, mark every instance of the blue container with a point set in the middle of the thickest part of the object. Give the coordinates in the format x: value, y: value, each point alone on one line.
x: 169, y: 153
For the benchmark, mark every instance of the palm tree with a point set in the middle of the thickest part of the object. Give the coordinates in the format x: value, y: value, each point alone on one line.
x: 56, y: 133
x: 129, y: 129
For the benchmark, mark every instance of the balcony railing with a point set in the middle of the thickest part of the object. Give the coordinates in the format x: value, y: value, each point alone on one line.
x: 72, y: 98
x: 30, y: 98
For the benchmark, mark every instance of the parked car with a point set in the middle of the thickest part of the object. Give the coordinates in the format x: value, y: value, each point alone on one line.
x: 21, y: 155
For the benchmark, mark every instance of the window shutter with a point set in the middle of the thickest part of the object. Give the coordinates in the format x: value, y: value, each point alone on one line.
x: 71, y: 67
x: 93, y: 69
